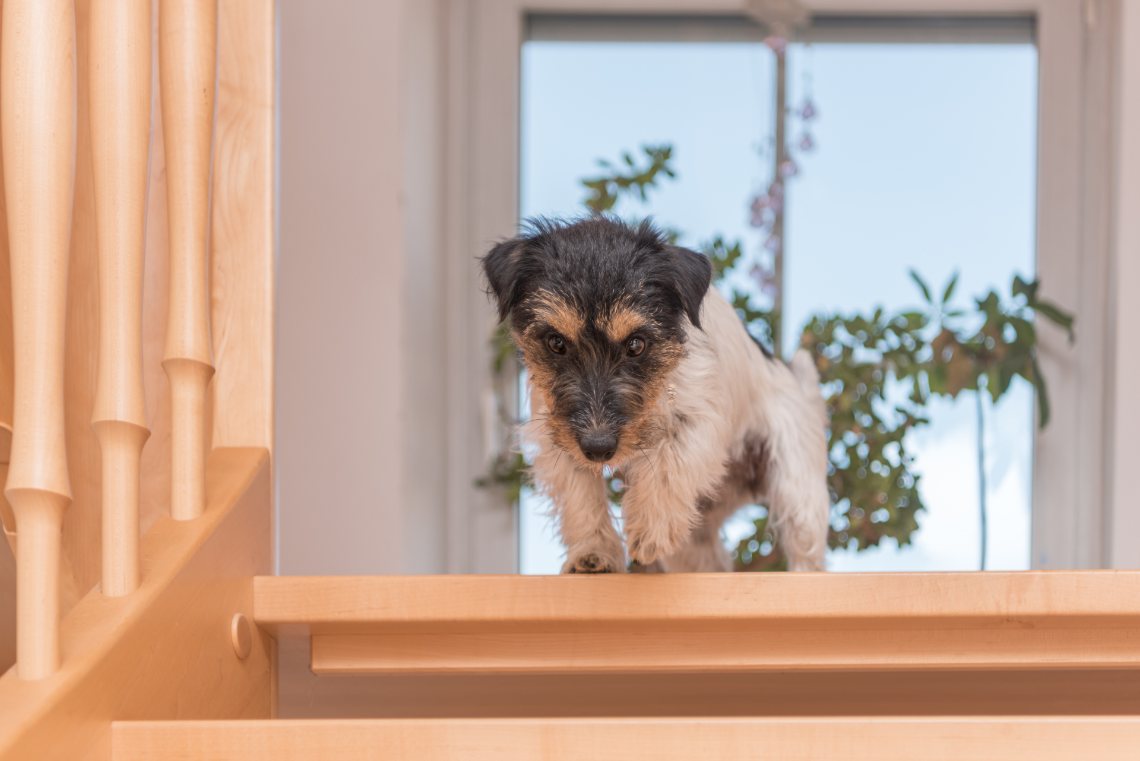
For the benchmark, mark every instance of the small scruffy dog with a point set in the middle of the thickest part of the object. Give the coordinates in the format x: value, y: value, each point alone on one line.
x: 635, y: 362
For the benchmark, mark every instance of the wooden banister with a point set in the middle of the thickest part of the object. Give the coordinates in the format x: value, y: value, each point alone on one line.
x: 187, y: 63
x: 37, y: 80
x: 119, y: 67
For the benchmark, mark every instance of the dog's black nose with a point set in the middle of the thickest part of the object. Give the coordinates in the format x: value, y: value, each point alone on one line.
x: 598, y: 446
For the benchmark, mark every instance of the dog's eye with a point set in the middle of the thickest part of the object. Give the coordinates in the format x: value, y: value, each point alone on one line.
x: 556, y: 343
x: 635, y: 346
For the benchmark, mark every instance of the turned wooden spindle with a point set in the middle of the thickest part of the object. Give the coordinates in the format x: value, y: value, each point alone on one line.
x: 37, y: 86
x: 187, y: 42
x: 119, y: 66
x: 7, y: 519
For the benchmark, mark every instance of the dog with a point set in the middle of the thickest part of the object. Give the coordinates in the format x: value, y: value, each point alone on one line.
x: 636, y: 363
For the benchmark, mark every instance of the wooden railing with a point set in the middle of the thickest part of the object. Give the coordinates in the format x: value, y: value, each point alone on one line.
x: 187, y: 34
x: 120, y: 230
x: 120, y: 136
x: 37, y: 79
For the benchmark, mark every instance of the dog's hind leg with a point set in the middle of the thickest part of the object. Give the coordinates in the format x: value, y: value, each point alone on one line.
x: 796, y: 486
x: 705, y: 551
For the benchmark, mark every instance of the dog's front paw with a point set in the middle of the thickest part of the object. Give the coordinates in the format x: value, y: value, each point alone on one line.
x: 590, y: 562
x: 652, y: 543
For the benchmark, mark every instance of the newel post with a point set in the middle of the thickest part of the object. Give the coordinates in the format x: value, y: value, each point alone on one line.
x: 187, y: 69
x: 38, y: 119
x: 120, y: 122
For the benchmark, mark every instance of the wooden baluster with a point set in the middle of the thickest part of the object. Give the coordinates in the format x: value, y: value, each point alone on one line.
x: 37, y: 84
x: 120, y: 122
x: 187, y: 53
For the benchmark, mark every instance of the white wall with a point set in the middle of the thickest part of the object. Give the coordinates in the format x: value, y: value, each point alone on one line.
x: 362, y: 367
x: 1125, y: 309
x: 360, y: 414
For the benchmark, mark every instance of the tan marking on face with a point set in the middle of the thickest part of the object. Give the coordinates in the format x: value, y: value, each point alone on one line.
x: 645, y: 429
x: 621, y: 323
x: 556, y: 312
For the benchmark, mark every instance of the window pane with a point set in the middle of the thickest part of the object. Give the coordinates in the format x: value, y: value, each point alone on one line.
x: 924, y: 159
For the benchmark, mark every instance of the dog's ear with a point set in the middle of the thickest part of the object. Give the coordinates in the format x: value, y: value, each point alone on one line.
x: 502, y: 267
x: 692, y: 273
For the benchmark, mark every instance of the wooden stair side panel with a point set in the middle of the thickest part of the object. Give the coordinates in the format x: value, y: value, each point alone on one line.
x: 164, y: 651
x: 849, y: 738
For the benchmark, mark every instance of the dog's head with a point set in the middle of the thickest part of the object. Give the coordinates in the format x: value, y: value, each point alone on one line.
x: 600, y: 311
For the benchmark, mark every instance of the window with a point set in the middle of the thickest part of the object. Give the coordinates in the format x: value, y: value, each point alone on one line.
x: 1064, y: 55
x: 921, y: 154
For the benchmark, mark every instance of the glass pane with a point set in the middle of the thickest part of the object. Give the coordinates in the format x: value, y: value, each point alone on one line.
x: 926, y: 159
x: 923, y: 158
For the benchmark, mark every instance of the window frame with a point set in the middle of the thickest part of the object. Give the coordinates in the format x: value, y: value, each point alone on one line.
x: 1070, y: 519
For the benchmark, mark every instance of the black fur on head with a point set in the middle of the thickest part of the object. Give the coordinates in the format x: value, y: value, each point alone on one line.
x: 596, y: 259
x: 599, y: 309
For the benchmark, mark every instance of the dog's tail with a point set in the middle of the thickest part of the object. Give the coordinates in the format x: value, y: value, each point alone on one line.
x: 803, y: 368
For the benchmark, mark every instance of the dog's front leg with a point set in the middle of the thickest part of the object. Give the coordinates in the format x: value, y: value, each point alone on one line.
x: 583, y: 510
x: 665, y: 486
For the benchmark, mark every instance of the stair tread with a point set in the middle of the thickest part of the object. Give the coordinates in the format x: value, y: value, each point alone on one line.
x: 344, y: 602
x: 709, y: 622
x: 857, y: 738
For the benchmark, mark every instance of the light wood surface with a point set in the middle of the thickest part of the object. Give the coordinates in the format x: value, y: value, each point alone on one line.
x: 648, y: 650
x: 710, y: 623
x: 119, y: 67
x: 187, y: 49
x: 242, y: 25
x: 242, y: 225
x: 164, y: 651
x: 242, y: 335
x: 7, y: 601
x: 370, y: 603
x: 848, y: 738
x: 7, y: 519
x: 37, y: 79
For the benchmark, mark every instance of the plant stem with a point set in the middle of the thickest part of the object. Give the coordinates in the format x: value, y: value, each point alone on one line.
x: 778, y: 223
x: 982, y: 475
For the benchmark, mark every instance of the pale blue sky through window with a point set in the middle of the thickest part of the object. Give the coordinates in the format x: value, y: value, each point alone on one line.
x: 925, y: 158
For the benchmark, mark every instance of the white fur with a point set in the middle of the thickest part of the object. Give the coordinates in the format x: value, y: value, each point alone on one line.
x: 723, y: 392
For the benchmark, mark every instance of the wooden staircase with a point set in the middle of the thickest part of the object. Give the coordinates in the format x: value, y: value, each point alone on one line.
x: 813, y: 666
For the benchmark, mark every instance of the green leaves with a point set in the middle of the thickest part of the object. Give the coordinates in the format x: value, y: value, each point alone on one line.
x: 605, y: 190
x: 723, y: 254
x: 922, y: 286
x: 867, y: 361
x: 1053, y: 313
x: 948, y: 292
